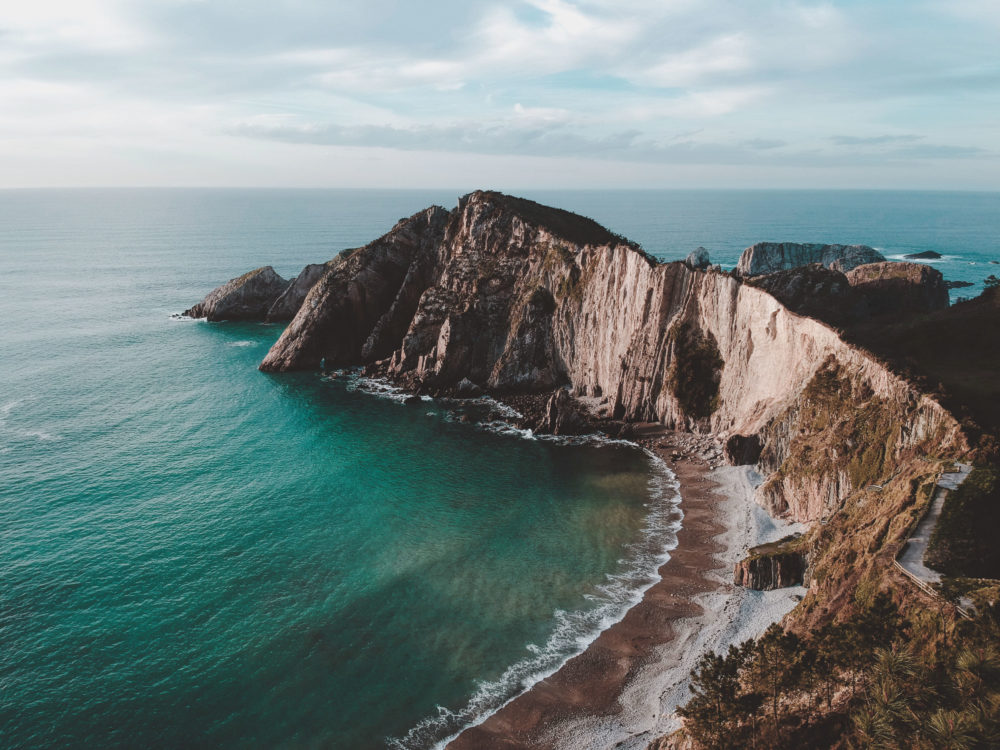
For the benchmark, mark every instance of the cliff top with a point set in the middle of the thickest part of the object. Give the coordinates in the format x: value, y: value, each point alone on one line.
x: 572, y: 227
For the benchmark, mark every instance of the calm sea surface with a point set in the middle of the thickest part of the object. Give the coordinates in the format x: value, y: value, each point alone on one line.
x: 196, y: 554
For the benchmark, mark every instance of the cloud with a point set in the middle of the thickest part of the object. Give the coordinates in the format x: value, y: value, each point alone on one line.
x: 678, y: 82
x: 872, y: 140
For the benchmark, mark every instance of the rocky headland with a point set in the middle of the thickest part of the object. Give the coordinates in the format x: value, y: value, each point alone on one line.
x: 582, y: 330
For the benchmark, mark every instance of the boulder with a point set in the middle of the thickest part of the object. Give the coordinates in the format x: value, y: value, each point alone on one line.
x: 563, y: 416
x: 247, y: 297
x: 467, y: 389
x: 699, y: 259
x: 769, y: 257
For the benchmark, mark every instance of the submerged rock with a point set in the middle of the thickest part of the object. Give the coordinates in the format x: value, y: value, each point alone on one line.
x: 769, y: 257
x: 247, y: 297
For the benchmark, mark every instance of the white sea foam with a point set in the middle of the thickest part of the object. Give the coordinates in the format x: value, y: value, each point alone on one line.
x: 243, y: 343
x: 184, y: 318
x: 902, y: 256
x: 5, y: 411
x: 574, y: 630
x: 46, y: 437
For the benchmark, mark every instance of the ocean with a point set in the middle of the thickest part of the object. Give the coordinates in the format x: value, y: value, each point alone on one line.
x: 197, y: 554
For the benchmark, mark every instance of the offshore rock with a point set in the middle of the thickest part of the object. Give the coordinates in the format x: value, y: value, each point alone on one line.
x: 769, y: 257
x: 699, y: 259
x: 816, y: 291
x: 868, y: 291
x: 285, y: 307
x: 925, y: 255
x: 248, y: 297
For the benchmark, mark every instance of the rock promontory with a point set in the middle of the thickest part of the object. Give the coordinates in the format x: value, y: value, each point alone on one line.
x: 770, y: 257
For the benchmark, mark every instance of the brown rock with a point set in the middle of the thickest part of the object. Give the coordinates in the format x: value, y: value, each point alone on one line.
x: 247, y: 297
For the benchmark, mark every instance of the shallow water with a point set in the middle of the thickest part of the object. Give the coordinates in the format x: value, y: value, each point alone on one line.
x: 194, y: 553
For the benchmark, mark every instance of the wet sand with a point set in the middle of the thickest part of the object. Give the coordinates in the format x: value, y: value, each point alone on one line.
x: 591, y: 684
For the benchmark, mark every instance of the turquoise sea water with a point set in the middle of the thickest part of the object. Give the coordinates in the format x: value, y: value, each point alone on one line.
x: 196, y: 554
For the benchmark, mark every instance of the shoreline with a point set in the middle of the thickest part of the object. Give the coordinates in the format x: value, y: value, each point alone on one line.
x: 622, y: 690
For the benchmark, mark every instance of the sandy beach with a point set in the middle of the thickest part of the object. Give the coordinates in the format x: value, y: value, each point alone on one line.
x: 623, y: 691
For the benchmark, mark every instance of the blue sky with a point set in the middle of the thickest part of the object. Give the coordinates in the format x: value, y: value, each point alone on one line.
x: 522, y: 93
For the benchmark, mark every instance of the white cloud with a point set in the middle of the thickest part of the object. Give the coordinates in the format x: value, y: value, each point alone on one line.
x: 620, y: 79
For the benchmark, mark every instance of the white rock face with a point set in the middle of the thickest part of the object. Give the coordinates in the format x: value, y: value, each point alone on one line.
x: 769, y: 257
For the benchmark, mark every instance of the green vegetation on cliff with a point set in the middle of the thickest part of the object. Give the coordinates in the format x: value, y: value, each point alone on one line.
x: 881, y: 679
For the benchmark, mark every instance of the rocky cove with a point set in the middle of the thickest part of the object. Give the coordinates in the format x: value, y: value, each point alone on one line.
x: 580, y: 329
x: 515, y: 299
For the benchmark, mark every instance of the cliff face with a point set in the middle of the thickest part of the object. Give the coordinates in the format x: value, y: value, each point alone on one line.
x: 517, y: 297
x: 769, y: 257
x: 364, y: 301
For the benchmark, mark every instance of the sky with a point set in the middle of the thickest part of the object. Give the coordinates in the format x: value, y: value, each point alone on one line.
x: 501, y: 93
